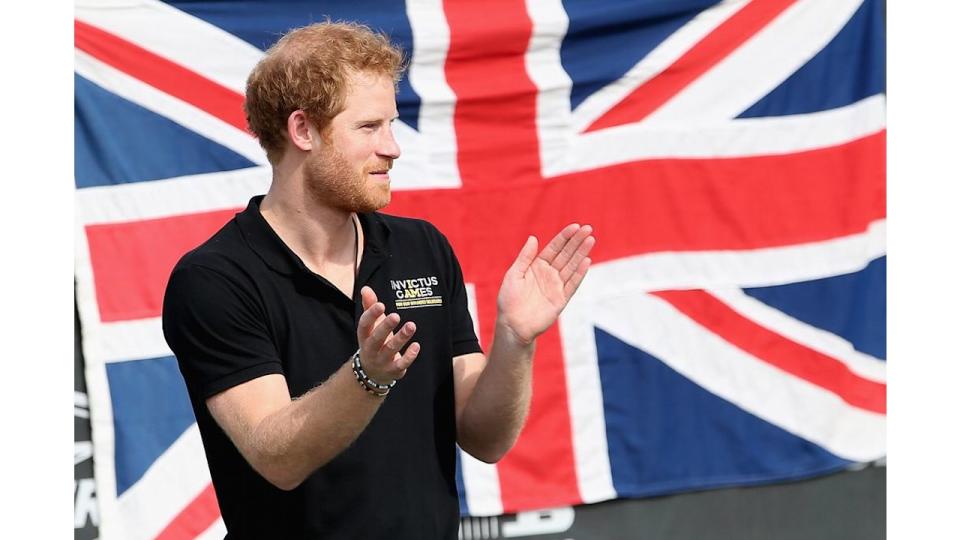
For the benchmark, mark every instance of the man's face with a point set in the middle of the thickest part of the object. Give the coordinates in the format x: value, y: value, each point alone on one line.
x: 348, y: 169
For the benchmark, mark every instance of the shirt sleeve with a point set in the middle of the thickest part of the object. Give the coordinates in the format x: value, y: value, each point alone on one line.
x: 462, y: 334
x: 216, y: 330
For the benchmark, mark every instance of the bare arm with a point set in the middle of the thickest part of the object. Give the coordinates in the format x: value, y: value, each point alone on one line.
x: 286, y: 440
x: 493, y: 393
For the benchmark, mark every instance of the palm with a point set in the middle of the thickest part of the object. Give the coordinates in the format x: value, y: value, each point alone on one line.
x: 538, y: 286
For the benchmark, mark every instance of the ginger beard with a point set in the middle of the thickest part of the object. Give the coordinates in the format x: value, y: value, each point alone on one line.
x: 331, y: 181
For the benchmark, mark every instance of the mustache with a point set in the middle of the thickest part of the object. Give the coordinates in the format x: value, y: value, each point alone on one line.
x: 381, y: 167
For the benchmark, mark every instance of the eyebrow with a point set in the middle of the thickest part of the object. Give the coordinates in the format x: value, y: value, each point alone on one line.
x: 363, y: 122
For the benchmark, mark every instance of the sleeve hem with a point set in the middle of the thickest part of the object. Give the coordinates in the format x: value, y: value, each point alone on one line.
x: 211, y: 388
x: 466, y: 347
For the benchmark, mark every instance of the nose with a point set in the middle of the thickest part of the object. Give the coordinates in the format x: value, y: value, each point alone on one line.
x: 387, y: 145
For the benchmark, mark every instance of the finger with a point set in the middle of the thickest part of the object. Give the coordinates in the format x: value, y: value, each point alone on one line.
x: 380, y: 333
x: 573, y: 283
x: 408, y: 357
x: 367, y: 297
x: 527, y: 254
x: 571, y: 247
x: 367, y: 320
x: 555, y: 246
x: 398, y: 340
x: 582, y: 251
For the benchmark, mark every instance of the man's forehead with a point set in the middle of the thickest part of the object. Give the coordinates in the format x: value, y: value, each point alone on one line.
x: 371, y: 92
x: 368, y: 79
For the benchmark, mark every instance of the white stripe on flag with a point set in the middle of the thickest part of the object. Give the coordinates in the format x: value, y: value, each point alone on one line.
x: 736, y: 138
x: 542, y: 60
x: 163, y: 104
x: 796, y: 330
x: 661, y: 57
x: 169, y: 197
x: 744, y: 268
x: 133, y: 340
x: 177, y: 36
x: 216, y: 531
x: 585, y: 400
x: 481, y: 485
x: 168, y: 486
x: 758, y: 66
x: 796, y: 405
x: 438, y: 141
x: 558, y: 127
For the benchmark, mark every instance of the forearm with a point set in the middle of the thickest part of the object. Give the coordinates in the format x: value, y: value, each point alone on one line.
x: 291, y: 443
x: 497, y: 407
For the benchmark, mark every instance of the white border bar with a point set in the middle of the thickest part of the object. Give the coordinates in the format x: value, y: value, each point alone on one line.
x: 98, y: 391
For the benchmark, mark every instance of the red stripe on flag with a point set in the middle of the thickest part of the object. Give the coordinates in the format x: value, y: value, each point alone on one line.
x: 667, y: 205
x: 197, y: 517
x: 716, y: 46
x: 540, y: 472
x: 132, y: 261
x: 773, y: 348
x: 496, y: 103
x: 497, y: 147
x: 162, y: 74
x: 674, y: 205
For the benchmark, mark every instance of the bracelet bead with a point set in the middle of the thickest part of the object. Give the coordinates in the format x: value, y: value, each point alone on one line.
x: 368, y: 384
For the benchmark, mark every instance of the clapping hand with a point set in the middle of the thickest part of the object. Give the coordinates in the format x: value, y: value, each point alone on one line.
x: 537, y: 287
x: 379, y: 344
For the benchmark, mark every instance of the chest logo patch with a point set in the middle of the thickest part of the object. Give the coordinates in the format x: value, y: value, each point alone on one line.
x: 416, y: 292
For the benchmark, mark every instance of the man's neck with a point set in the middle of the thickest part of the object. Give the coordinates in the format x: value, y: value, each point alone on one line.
x: 322, y: 236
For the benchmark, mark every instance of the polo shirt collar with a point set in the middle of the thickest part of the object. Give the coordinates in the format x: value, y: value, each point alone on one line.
x: 265, y: 242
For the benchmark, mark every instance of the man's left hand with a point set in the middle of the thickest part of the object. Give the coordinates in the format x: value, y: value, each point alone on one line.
x: 537, y: 287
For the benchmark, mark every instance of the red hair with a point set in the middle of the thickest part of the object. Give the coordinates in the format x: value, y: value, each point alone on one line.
x: 308, y: 70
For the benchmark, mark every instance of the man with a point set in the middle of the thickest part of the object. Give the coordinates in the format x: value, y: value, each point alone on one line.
x: 305, y: 438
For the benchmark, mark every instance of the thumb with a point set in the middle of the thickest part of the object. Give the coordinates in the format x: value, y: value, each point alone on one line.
x: 526, y: 257
x: 367, y: 297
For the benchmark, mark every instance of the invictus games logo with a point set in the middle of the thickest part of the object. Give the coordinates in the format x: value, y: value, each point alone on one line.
x: 416, y: 292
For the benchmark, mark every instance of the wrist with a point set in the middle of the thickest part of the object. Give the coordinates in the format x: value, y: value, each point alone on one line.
x: 505, y: 333
x: 373, y: 386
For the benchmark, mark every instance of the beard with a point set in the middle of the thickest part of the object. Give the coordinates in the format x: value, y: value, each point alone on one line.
x: 331, y: 181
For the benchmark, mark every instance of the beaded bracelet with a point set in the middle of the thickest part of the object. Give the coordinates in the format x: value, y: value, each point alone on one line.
x: 368, y: 384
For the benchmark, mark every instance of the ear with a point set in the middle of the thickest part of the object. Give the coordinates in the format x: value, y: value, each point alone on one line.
x: 301, y: 131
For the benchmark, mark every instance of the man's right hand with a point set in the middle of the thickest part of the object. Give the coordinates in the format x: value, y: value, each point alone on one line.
x: 379, y: 345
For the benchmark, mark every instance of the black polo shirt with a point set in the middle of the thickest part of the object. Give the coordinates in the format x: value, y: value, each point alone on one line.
x: 243, y: 305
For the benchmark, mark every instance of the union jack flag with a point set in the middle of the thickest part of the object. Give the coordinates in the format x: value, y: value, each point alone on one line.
x: 730, y: 156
